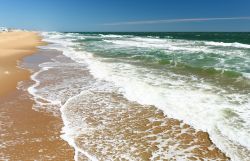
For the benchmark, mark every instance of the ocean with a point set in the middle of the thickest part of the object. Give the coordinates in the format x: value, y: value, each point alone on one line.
x: 149, y: 96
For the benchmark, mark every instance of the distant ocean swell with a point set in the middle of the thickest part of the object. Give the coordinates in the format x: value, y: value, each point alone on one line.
x: 103, y: 81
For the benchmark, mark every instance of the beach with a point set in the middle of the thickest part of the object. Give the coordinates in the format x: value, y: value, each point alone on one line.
x: 123, y: 96
x: 25, y: 134
x: 125, y: 80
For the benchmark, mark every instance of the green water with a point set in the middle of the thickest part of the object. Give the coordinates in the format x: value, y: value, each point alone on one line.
x: 228, y: 37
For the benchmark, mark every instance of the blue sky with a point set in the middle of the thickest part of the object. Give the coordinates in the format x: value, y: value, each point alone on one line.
x: 117, y: 15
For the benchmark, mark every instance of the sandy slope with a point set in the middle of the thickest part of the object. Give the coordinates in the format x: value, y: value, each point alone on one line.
x: 14, y: 46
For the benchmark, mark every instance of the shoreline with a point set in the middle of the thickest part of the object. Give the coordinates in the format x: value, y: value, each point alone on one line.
x: 35, y: 127
x: 132, y: 115
x: 25, y: 133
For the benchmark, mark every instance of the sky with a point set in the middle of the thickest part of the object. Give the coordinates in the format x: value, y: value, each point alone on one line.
x: 126, y: 15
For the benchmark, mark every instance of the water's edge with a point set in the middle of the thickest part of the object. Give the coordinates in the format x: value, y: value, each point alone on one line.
x: 67, y: 133
x: 109, y: 73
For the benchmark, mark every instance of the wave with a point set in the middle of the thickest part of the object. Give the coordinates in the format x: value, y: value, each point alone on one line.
x: 236, y: 44
x: 110, y: 36
x: 156, y: 44
x: 195, y: 53
x: 70, y: 133
x: 178, y: 45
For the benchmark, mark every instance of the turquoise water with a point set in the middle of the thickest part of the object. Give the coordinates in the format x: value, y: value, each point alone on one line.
x: 200, y: 78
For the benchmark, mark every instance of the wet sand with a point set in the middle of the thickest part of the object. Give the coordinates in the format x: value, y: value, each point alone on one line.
x: 25, y: 134
x: 138, y: 133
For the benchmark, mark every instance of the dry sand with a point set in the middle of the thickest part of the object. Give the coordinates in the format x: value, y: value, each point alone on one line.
x: 25, y: 133
x: 14, y: 46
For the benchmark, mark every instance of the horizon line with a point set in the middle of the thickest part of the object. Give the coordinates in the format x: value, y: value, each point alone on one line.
x: 174, y: 21
x: 151, y: 31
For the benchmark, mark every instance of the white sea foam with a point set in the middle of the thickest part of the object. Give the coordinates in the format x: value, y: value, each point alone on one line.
x: 247, y: 75
x: 70, y: 133
x: 42, y: 101
x: 111, y: 36
x: 236, y: 45
x: 46, y: 97
x: 201, y: 50
x: 183, y: 103
x: 177, y: 45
